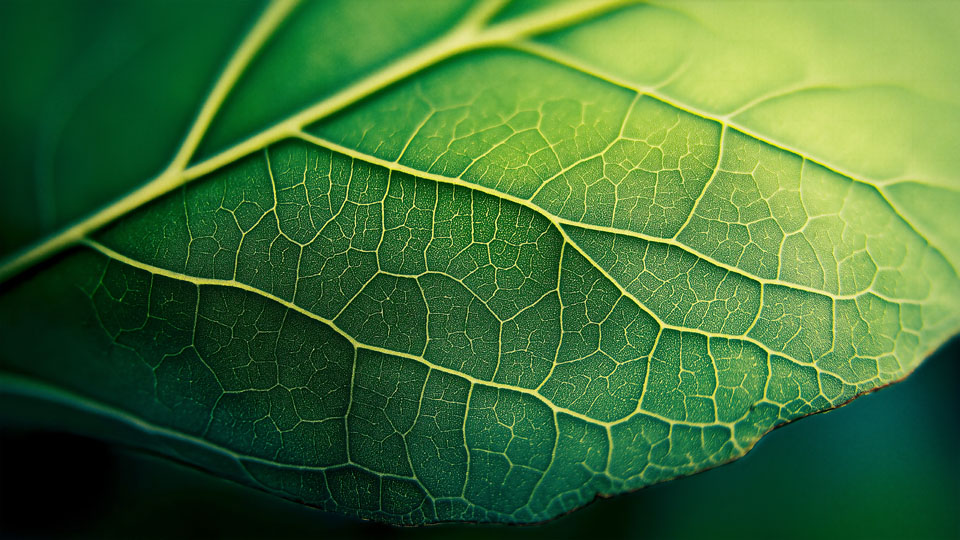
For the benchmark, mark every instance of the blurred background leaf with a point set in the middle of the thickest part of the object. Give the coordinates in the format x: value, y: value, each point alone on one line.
x: 885, y: 466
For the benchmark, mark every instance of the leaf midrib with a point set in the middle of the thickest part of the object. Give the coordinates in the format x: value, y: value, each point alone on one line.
x: 181, y: 172
x: 555, y: 222
x: 468, y: 35
x: 559, y: 221
x: 462, y: 38
x: 331, y: 323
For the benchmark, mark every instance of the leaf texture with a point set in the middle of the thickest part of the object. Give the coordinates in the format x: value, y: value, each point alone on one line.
x: 478, y: 274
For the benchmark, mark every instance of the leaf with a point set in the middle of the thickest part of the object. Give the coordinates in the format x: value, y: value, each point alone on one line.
x: 494, y: 261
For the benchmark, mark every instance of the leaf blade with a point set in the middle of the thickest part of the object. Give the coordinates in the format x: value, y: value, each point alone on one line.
x: 494, y: 308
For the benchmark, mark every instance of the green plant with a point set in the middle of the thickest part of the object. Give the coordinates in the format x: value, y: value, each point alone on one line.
x: 483, y: 262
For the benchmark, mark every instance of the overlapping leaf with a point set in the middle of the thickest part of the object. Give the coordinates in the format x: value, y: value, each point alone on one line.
x: 479, y: 281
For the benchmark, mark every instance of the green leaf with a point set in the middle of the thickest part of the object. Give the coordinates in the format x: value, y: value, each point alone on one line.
x: 431, y: 262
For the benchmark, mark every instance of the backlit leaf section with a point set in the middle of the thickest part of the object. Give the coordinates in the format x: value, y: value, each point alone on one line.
x: 490, y: 291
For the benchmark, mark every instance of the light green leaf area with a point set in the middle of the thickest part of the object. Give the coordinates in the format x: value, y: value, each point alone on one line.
x: 481, y: 280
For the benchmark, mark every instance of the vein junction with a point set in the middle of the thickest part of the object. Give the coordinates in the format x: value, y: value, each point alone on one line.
x: 301, y: 271
x: 500, y: 304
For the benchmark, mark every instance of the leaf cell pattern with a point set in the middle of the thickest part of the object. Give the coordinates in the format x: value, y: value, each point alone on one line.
x: 472, y: 298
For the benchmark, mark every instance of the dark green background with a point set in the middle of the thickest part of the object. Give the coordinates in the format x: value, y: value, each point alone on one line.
x: 885, y: 466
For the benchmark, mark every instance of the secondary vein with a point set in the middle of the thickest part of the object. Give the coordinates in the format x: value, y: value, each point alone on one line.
x: 469, y: 34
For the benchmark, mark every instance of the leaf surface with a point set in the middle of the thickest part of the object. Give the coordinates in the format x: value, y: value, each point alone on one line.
x: 493, y: 266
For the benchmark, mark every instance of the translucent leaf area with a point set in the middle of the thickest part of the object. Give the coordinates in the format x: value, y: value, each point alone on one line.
x: 496, y: 260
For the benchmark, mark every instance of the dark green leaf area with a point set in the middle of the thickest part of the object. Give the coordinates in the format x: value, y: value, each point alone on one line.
x: 419, y: 349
